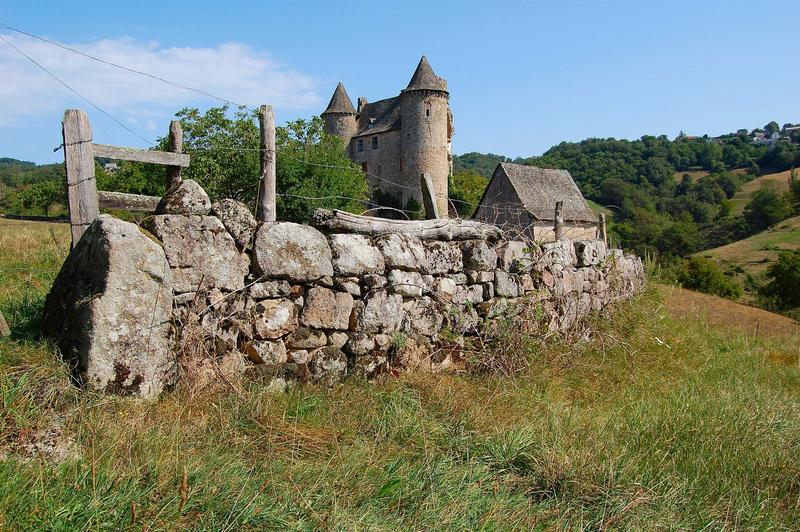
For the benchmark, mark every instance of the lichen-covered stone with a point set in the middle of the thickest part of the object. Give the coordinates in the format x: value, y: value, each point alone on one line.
x: 444, y: 288
x: 424, y: 316
x: 373, y: 282
x: 285, y: 250
x: 355, y: 255
x: 513, y: 256
x: 506, y: 285
x: 557, y: 256
x: 359, y: 344
x: 306, y: 338
x: 350, y: 285
x: 590, y: 252
x: 328, y: 365
x: 379, y: 313
x: 109, y: 310
x: 199, y: 249
x: 444, y: 257
x: 337, y: 339
x: 266, y: 352
x: 269, y: 289
x: 403, y: 252
x: 407, y: 284
x: 187, y: 198
x: 474, y: 276
x: 326, y: 309
x: 237, y: 219
x: 274, y: 318
x: 478, y: 255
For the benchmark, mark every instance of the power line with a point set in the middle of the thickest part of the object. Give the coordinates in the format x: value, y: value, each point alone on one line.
x: 122, y: 67
x: 79, y: 95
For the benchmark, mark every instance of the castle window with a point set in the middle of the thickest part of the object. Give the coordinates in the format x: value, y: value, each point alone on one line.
x: 374, y: 143
x: 364, y: 167
x: 401, y: 165
x: 427, y: 112
x: 408, y: 136
x: 359, y: 144
x: 380, y: 169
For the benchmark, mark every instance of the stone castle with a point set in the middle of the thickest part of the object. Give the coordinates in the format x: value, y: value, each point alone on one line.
x: 397, y: 139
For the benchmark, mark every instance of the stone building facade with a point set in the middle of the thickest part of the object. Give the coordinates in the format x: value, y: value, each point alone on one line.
x: 397, y: 139
x: 521, y: 199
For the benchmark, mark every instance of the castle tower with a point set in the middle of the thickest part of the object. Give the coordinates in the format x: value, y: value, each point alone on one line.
x: 340, y: 116
x: 426, y: 129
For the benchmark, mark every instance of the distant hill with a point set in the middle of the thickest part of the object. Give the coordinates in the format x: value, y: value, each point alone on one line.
x: 482, y: 163
x: 778, y: 181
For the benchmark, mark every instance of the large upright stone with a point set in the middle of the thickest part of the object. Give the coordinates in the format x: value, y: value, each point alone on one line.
x: 354, y: 255
x: 199, y: 249
x: 109, y: 310
x: 187, y: 198
x: 237, y: 219
x: 403, y: 252
x: 286, y: 250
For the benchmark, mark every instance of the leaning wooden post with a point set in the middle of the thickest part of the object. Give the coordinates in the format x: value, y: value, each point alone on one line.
x: 428, y: 197
x: 265, y: 211
x: 175, y: 145
x: 558, y: 227
x: 79, y: 165
x: 601, y: 228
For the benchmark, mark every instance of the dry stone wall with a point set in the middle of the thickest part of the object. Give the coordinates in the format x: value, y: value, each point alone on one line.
x: 288, y: 299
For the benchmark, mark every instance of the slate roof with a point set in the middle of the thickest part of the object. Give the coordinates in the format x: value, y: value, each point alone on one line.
x: 425, y: 79
x: 340, y: 102
x: 378, y: 117
x: 540, y: 188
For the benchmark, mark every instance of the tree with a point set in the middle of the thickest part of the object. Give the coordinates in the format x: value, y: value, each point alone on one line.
x: 784, y: 280
x: 766, y: 208
x: 466, y: 189
x: 43, y: 195
x: 772, y: 127
x: 703, y: 275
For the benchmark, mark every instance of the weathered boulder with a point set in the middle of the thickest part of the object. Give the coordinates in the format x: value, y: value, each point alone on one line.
x: 403, y: 252
x: 110, y: 308
x: 380, y: 312
x: 337, y: 339
x: 444, y: 288
x: 326, y: 309
x: 407, y: 284
x: 285, y: 250
x: 590, y: 252
x: 478, y: 255
x: 273, y: 318
x: 359, y: 344
x: 199, y: 248
x: 237, y: 219
x: 444, y: 257
x: 187, y: 198
x: 355, y: 255
x: 424, y: 316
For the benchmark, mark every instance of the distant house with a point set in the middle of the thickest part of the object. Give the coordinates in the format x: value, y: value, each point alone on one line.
x: 524, y: 198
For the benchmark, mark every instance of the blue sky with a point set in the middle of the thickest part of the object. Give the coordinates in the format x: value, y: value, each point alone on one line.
x: 523, y: 75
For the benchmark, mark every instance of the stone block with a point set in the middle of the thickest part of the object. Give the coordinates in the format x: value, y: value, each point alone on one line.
x: 403, y: 252
x: 326, y: 309
x: 237, y: 219
x: 188, y: 198
x: 355, y: 255
x: 444, y: 257
x: 590, y: 252
x: 478, y: 255
x: 273, y: 318
x: 407, y: 284
x: 285, y: 250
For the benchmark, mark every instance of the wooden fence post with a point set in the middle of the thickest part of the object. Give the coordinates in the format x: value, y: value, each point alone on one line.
x: 601, y: 228
x: 265, y: 211
x: 558, y: 227
x: 79, y: 165
x: 175, y: 145
x: 429, y: 197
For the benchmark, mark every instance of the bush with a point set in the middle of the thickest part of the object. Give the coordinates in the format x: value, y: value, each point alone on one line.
x: 783, y: 286
x: 703, y: 275
x: 766, y: 208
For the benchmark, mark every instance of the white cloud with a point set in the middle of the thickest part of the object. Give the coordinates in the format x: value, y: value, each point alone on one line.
x: 231, y: 71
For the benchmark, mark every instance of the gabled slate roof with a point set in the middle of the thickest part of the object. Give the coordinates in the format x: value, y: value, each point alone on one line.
x: 425, y: 79
x: 540, y: 188
x: 340, y: 102
x: 378, y: 117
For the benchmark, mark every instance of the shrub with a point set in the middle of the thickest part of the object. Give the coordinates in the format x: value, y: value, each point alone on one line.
x: 703, y: 275
x: 783, y: 286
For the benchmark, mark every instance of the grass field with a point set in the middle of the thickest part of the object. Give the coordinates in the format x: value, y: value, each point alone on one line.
x: 778, y: 181
x: 754, y: 254
x: 661, y: 419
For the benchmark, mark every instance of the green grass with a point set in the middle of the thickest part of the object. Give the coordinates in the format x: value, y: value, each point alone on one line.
x: 656, y: 422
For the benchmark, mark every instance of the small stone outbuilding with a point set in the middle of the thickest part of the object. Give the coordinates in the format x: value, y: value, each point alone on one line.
x: 524, y: 197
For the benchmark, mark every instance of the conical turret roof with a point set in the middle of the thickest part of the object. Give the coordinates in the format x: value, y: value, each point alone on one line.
x: 340, y: 102
x: 425, y: 79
